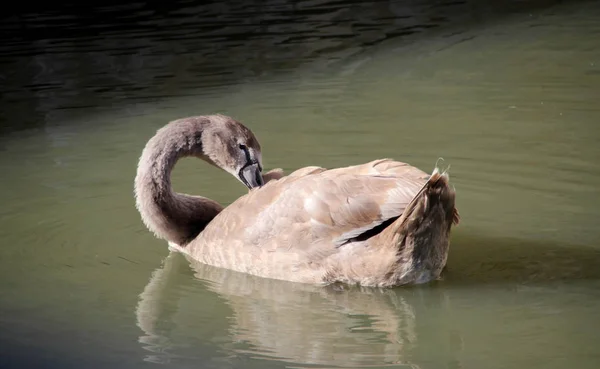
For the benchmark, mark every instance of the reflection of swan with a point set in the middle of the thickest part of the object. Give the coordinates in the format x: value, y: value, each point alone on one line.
x: 378, y: 224
x: 224, y: 314
x: 292, y: 322
x: 152, y: 306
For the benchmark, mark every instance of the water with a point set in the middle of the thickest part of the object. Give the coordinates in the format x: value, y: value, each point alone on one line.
x: 507, y: 94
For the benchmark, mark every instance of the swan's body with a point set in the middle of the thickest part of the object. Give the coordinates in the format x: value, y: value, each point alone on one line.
x: 382, y: 223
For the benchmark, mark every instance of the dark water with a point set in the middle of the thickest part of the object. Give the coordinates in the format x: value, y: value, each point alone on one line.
x: 507, y: 93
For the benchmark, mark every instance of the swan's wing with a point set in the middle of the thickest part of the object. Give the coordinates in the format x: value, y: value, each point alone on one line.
x: 384, y: 167
x: 387, y: 167
x: 306, y: 171
x: 320, y: 212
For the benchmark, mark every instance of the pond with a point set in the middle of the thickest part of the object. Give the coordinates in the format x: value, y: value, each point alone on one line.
x: 508, y: 94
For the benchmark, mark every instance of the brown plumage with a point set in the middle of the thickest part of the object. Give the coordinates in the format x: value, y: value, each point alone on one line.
x: 382, y: 223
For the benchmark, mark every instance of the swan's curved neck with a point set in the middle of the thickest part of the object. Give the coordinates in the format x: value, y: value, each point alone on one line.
x: 172, y: 216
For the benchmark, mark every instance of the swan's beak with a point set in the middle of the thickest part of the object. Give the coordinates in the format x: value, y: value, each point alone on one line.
x: 251, y: 176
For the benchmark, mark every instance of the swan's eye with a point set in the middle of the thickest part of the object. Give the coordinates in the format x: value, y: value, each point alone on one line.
x: 243, y: 147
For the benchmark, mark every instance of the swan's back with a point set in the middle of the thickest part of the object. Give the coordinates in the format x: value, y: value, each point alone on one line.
x: 301, y: 226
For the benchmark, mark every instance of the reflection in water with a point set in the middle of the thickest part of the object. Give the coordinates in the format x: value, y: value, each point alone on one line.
x: 336, y: 326
x: 297, y: 323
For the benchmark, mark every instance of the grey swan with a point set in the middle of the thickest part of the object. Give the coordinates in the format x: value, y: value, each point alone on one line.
x: 381, y: 224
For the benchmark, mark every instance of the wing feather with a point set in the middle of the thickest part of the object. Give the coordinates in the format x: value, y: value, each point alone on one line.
x: 313, y: 211
x: 333, y: 206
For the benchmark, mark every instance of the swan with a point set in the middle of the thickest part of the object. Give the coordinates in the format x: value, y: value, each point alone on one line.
x: 379, y: 224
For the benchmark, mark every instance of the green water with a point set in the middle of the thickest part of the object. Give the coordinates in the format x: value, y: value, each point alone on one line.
x: 510, y: 99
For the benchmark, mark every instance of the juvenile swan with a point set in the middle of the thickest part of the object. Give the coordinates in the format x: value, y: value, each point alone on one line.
x: 383, y: 223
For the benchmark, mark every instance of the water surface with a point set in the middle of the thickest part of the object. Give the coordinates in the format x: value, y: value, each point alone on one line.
x: 506, y: 94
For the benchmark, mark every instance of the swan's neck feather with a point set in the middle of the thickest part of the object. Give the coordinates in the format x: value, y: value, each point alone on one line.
x: 175, y: 217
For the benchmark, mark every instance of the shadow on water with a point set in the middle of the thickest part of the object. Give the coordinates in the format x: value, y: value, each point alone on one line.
x: 480, y: 261
x: 101, y: 56
x: 334, y: 326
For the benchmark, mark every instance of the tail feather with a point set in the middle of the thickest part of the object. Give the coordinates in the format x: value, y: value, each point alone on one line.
x: 436, y: 186
x: 421, y: 234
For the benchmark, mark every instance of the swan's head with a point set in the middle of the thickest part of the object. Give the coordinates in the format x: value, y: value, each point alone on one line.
x: 232, y: 147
